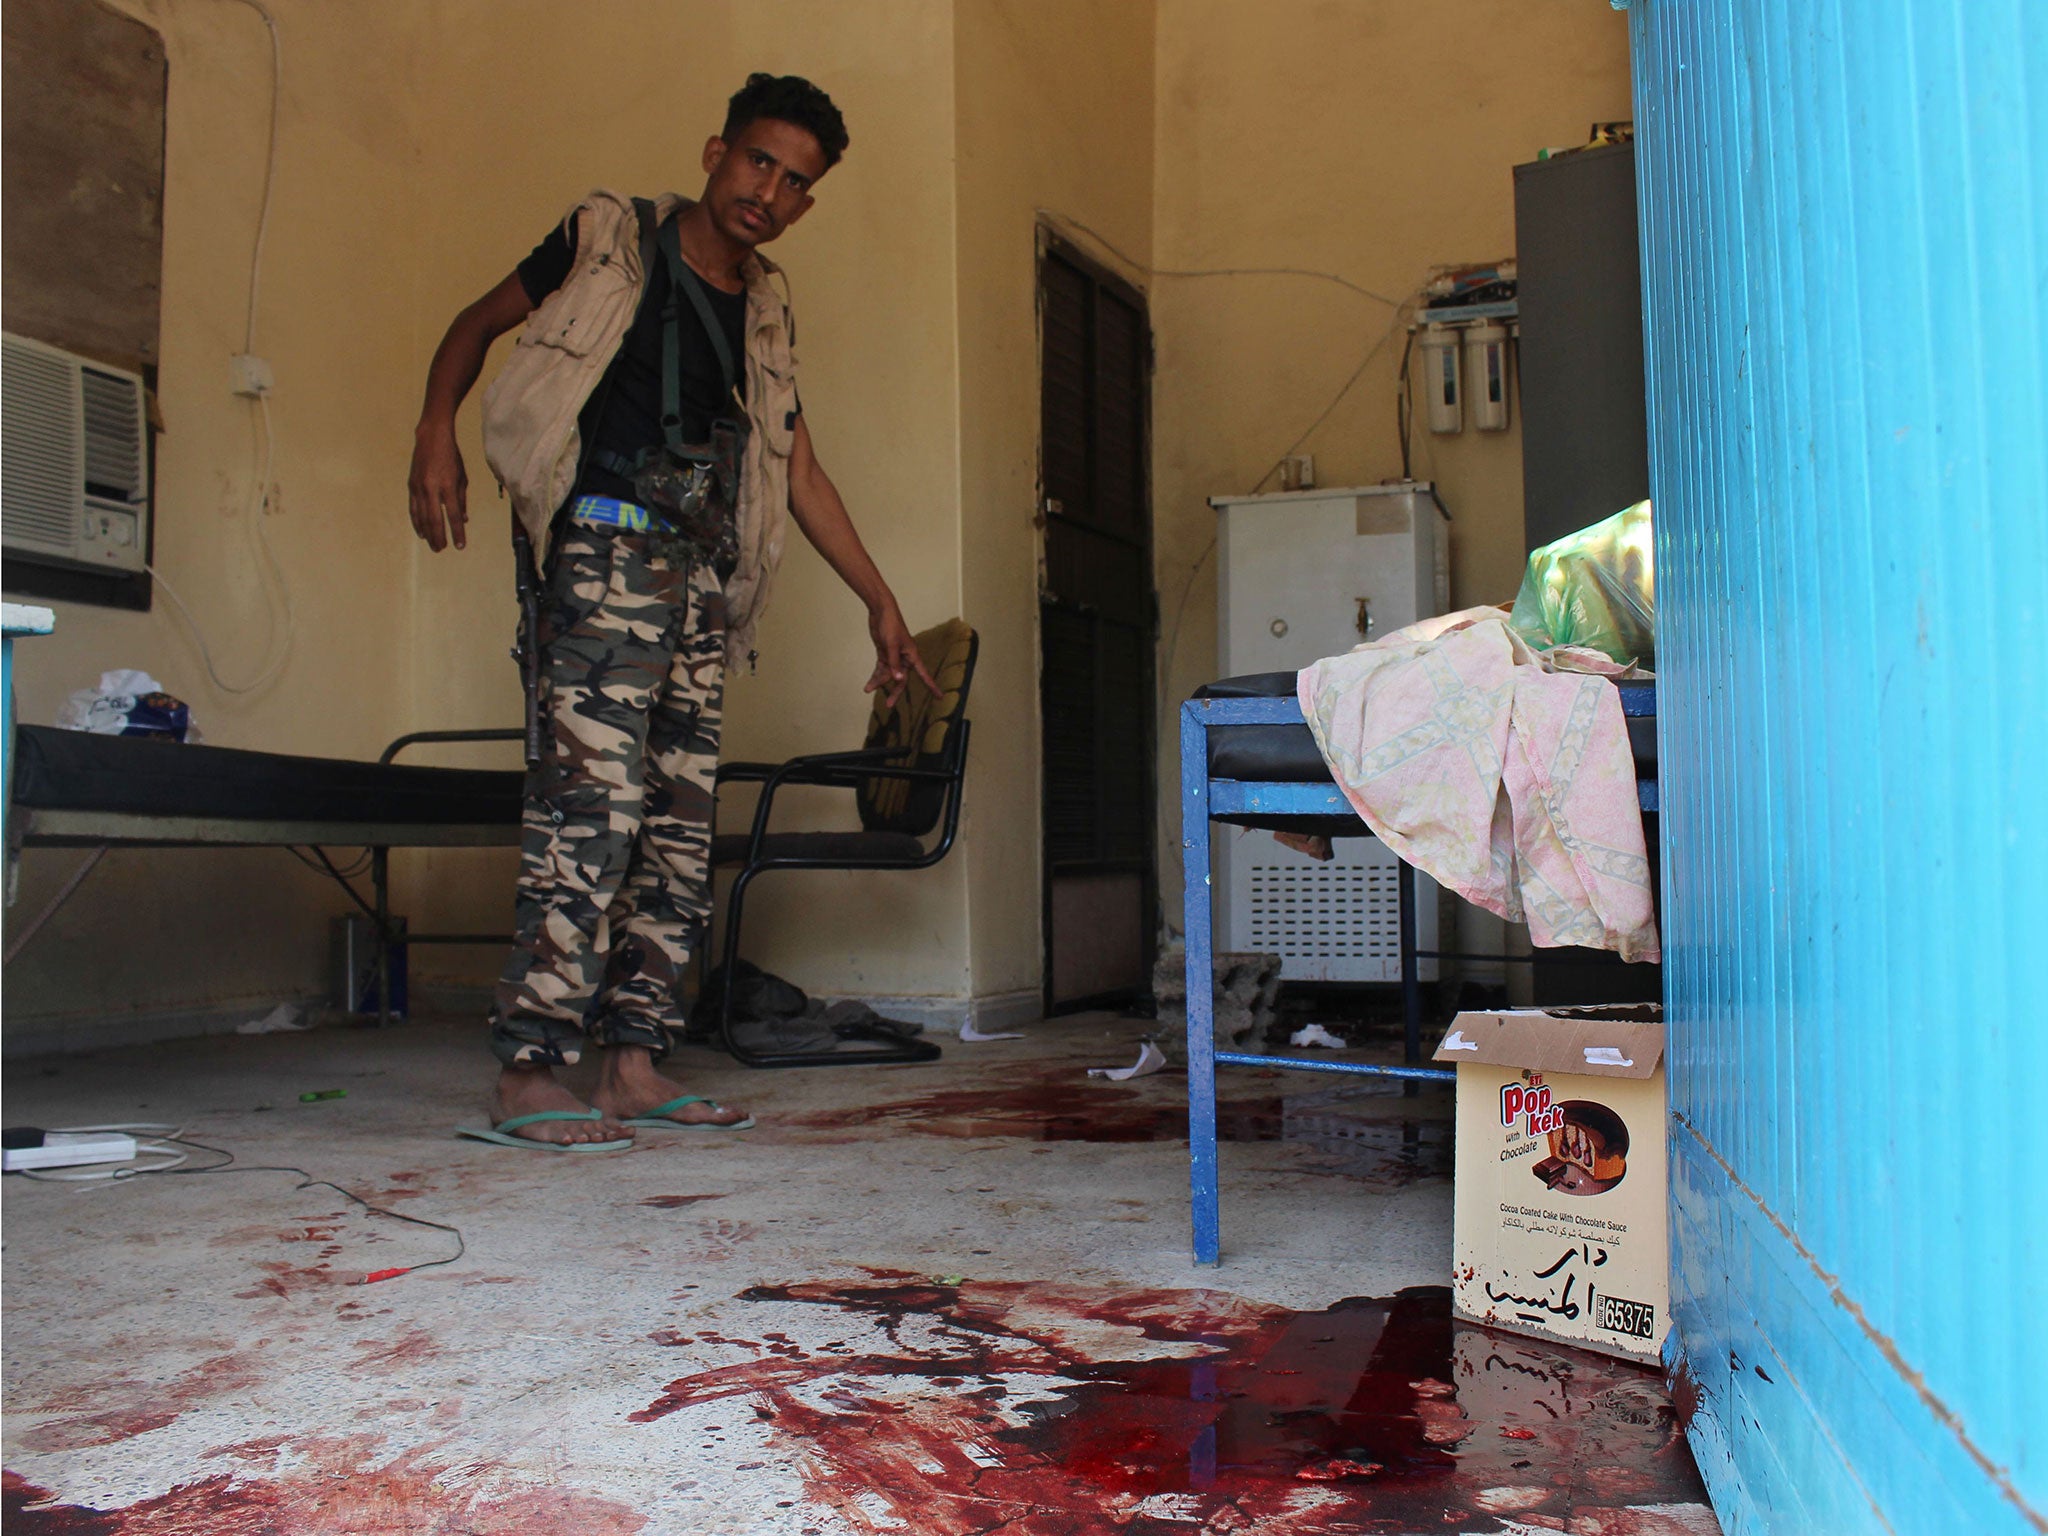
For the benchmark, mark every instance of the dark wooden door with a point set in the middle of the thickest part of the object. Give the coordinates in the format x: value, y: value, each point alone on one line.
x: 1096, y: 634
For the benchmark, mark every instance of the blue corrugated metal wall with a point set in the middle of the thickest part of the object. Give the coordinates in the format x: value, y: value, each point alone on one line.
x: 1845, y: 252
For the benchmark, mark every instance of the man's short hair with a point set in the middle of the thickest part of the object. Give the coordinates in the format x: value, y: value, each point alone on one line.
x: 788, y: 99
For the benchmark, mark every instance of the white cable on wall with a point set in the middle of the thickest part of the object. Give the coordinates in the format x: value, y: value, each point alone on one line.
x: 269, y: 167
x: 277, y: 594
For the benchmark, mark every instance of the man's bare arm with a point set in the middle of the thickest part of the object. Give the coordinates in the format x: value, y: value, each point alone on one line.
x: 819, y: 511
x: 439, y: 485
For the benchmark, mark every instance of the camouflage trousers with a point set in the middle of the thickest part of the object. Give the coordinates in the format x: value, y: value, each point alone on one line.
x: 614, y: 875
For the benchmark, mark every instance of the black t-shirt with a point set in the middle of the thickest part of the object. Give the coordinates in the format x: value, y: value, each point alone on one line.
x: 630, y: 393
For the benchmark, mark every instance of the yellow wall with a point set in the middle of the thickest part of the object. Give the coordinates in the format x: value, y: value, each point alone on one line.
x: 1371, y: 140
x: 1054, y: 113
x: 185, y: 931
x: 420, y: 158
x: 419, y: 161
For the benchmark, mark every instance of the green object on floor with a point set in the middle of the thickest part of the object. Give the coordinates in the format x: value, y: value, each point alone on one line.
x: 500, y: 1135
x: 324, y: 1093
x: 656, y: 1119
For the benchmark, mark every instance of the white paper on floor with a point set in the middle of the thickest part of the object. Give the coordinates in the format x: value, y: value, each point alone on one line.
x: 284, y: 1019
x: 971, y: 1035
x: 1150, y: 1060
x: 1315, y: 1034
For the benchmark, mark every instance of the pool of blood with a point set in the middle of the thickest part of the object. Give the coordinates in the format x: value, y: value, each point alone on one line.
x: 1041, y: 1410
x: 1350, y: 1126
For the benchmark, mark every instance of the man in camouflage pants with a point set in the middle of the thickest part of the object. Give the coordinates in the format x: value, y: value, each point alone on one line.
x: 644, y: 605
x: 615, y: 851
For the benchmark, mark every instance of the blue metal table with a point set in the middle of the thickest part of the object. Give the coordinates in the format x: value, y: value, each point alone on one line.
x: 16, y: 619
x: 1204, y: 799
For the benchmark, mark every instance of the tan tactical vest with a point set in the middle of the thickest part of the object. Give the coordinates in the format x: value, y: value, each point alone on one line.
x: 531, y: 437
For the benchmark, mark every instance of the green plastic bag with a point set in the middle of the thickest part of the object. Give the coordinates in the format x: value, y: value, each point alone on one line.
x: 1596, y: 588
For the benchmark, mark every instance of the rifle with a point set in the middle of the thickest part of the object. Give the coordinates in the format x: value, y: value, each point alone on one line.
x: 527, y: 651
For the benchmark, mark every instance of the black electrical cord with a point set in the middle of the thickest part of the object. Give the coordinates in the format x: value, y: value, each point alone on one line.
x: 1404, y: 407
x: 341, y: 880
x: 307, y: 1181
x: 359, y: 866
x: 1337, y: 400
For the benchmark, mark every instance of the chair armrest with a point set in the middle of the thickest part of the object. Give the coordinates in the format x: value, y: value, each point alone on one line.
x: 830, y: 768
x: 943, y: 774
x: 840, y: 759
x: 833, y: 770
x: 837, y: 770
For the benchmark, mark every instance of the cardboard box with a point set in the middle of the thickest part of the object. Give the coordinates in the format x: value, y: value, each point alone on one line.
x: 1561, y: 1175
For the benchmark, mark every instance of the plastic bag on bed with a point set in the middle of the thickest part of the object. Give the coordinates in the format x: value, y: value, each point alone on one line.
x: 127, y: 703
x: 1595, y: 588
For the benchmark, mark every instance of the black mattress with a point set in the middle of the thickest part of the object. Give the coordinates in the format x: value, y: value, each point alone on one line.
x: 1287, y: 754
x: 1262, y: 754
x: 1271, y: 754
x: 57, y: 770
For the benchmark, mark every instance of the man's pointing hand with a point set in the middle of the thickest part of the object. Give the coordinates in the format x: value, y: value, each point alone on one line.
x: 896, y: 656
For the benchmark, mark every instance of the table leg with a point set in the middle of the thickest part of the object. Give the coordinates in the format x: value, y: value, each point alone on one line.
x: 1204, y: 1206
x: 1411, y: 971
x: 6, y: 716
x: 380, y: 877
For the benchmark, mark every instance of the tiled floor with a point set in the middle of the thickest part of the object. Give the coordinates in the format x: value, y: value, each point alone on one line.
x: 944, y: 1301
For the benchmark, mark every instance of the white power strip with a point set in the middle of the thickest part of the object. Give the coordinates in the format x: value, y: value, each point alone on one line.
x: 65, y: 1149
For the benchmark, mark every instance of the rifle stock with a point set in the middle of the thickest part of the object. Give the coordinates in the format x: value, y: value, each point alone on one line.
x: 527, y: 651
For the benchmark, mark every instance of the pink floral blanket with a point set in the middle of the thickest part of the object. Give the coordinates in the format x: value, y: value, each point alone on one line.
x: 1498, y: 770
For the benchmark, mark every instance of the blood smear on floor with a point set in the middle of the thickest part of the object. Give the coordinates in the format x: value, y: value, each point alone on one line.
x: 1349, y: 1125
x: 1007, y: 1405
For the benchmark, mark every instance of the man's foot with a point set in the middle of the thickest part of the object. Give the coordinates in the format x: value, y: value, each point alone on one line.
x: 529, y: 1090
x: 628, y: 1085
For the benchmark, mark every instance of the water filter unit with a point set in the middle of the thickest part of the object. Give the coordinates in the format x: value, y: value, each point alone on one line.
x: 1486, y: 376
x: 1440, y: 378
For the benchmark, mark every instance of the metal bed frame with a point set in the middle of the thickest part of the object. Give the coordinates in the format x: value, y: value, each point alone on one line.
x: 42, y: 828
x: 1204, y: 798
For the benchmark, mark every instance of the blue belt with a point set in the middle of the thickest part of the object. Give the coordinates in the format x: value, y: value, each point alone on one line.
x: 609, y: 512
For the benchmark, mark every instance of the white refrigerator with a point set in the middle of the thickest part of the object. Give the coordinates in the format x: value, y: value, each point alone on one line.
x: 1304, y: 575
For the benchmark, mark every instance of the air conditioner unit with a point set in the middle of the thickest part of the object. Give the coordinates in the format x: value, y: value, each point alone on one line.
x: 74, y: 478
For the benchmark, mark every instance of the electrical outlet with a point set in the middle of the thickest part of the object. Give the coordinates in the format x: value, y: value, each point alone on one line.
x: 250, y: 376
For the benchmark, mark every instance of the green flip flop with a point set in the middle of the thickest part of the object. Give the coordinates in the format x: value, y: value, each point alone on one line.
x: 656, y: 1119
x: 500, y: 1135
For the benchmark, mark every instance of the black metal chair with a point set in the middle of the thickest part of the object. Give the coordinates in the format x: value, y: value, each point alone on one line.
x: 907, y: 780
